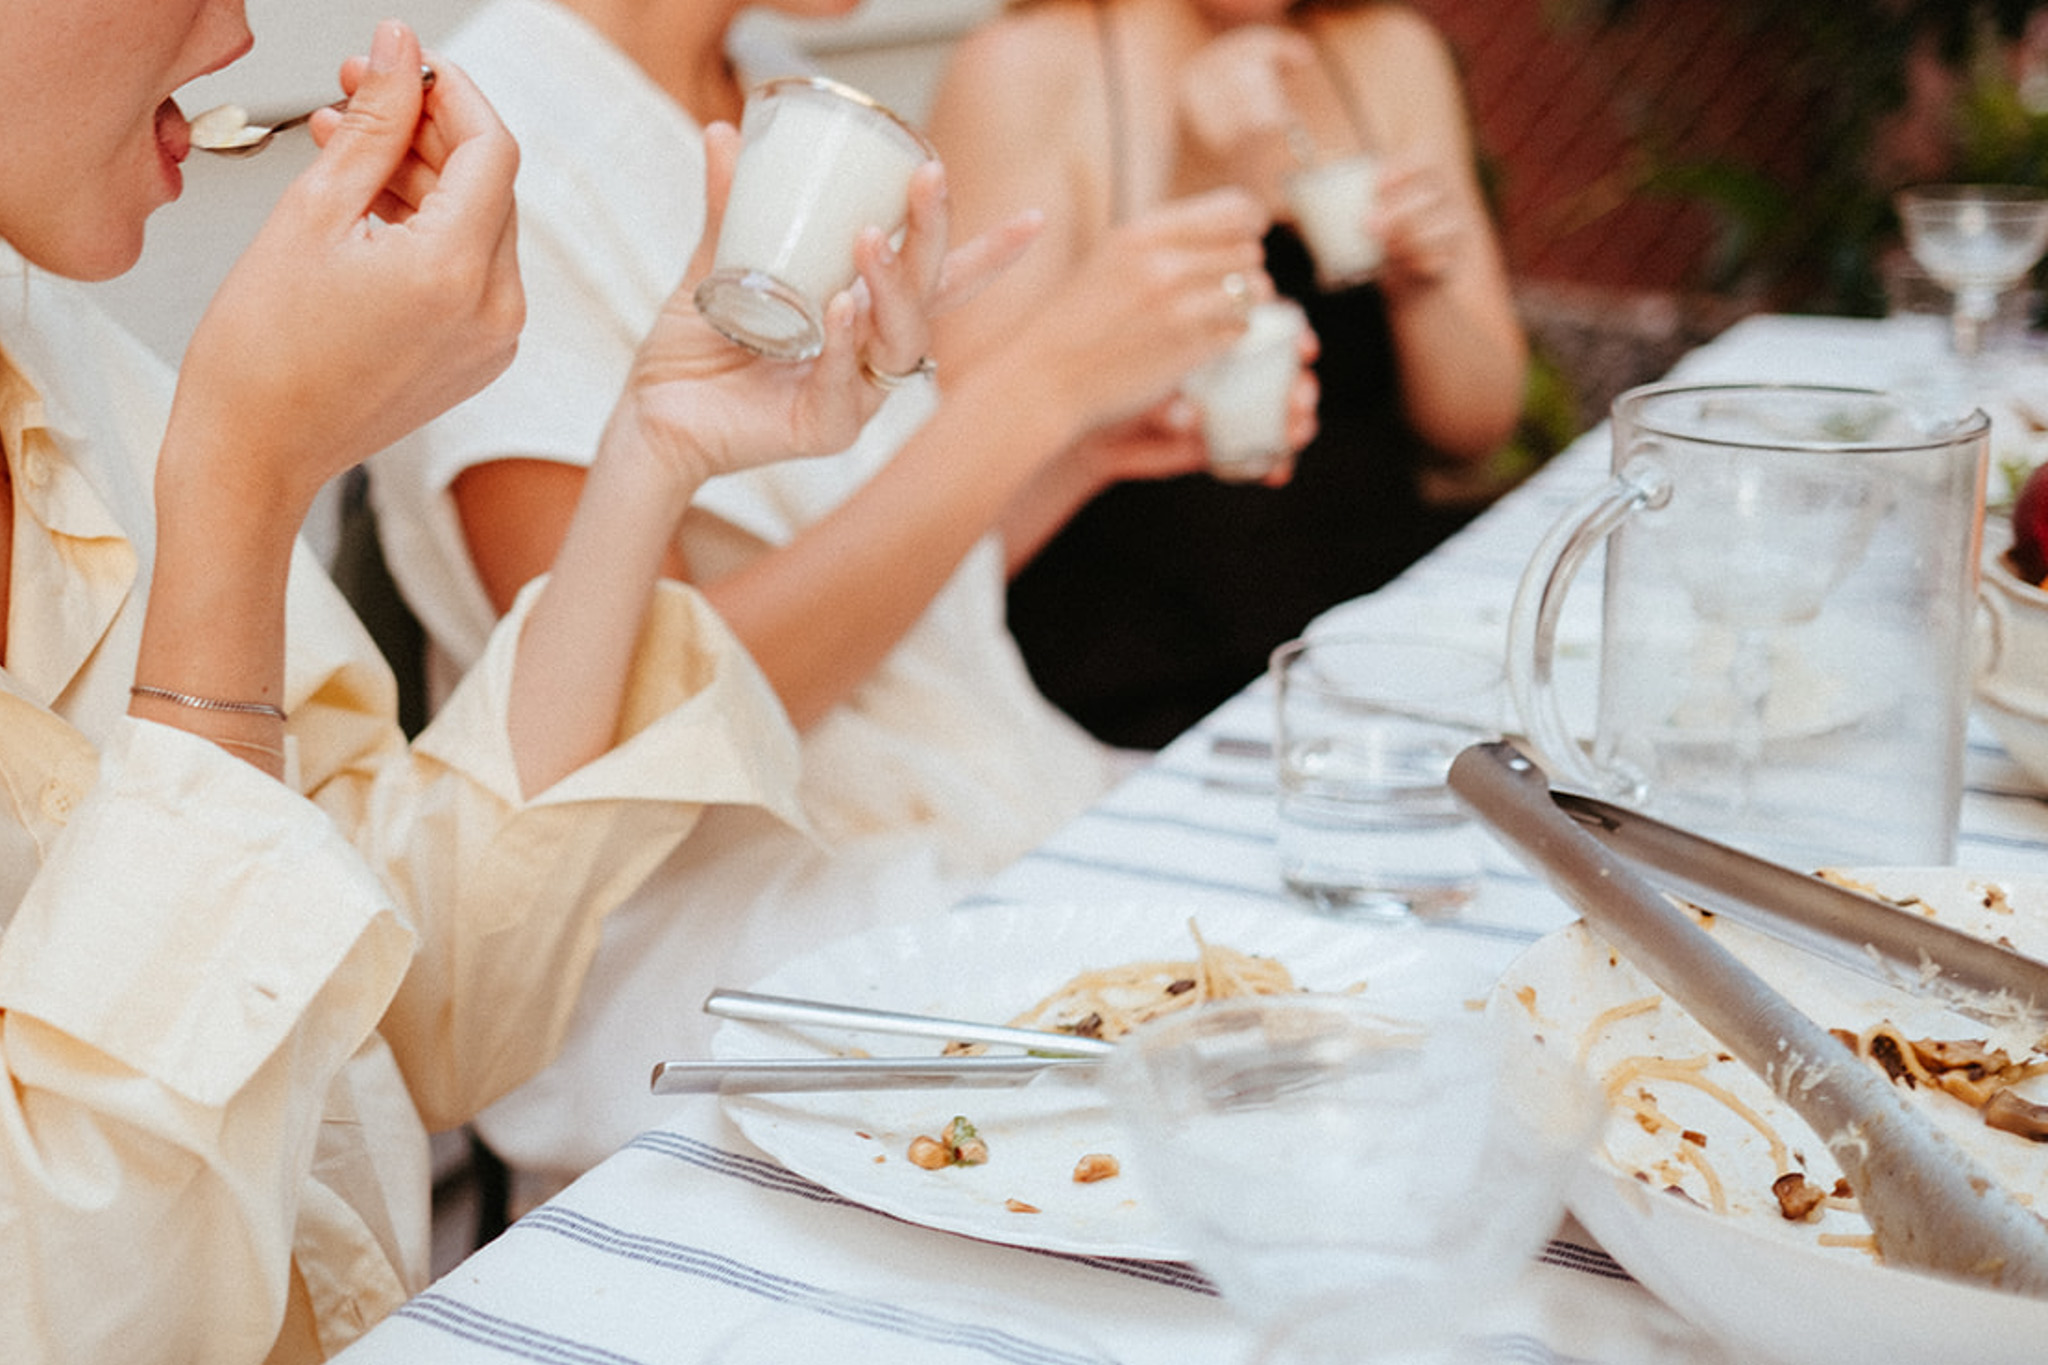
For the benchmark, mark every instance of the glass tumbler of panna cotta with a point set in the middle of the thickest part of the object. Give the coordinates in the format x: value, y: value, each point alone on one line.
x: 819, y: 162
x: 1243, y: 393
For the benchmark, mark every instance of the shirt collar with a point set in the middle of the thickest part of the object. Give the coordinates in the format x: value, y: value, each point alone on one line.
x: 73, y: 566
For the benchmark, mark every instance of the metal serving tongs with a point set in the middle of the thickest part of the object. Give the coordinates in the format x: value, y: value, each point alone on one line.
x: 1044, y: 1052
x: 1868, y: 936
x: 1930, y: 1205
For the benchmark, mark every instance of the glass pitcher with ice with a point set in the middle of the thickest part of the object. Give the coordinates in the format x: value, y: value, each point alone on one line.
x: 1784, y: 647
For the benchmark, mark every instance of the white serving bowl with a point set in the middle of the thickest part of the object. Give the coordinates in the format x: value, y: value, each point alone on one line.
x: 2012, y: 672
x: 1771, y: 1291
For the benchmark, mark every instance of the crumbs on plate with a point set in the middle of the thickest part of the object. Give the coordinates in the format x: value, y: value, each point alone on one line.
x: 958, y: 1145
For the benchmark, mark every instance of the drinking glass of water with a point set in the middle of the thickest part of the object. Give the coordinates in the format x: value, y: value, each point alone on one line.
x: 1366, y: 728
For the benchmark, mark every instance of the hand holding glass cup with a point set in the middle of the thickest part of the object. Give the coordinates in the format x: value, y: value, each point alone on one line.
x: 818, y: 163
x: 1354, y: 1182
x: 1245, y: 394
x: 1366, y: 727
x: 1332, y: 200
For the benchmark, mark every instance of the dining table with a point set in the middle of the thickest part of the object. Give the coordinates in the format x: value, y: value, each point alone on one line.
x: 690, y: 1230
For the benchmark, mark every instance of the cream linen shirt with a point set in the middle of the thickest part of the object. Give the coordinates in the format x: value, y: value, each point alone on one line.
x: 944, y: 765
x: 231, y: 1009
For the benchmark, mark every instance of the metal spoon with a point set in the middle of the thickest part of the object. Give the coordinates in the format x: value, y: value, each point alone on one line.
x: 225, y: 129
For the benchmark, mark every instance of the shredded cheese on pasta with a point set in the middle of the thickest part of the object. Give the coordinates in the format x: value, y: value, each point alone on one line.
x: 1109, y: 1002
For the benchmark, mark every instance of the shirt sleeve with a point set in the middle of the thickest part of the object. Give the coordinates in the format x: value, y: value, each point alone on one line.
x: 199, y: 956
x: 508, y: 895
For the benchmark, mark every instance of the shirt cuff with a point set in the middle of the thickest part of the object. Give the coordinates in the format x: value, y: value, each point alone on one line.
x: 701, y: 724
x: 190, y: 913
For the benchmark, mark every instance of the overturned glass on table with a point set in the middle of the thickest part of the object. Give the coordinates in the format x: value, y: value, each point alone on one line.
x: 1354, y: 1181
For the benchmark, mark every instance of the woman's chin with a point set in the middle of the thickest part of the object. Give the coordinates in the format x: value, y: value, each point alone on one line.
x: 109, y: 267
x: 111, y: 250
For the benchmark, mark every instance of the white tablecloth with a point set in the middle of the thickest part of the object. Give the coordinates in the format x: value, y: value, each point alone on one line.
x: 689, y: 1229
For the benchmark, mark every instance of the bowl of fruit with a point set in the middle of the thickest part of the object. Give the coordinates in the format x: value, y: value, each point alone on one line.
x: 2012, y: 669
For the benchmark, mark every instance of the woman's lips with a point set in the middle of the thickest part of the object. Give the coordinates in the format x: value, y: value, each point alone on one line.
x: 173, y: 133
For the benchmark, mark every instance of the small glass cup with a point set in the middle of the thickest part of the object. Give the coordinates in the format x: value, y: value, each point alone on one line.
x: 1366, y: 727
x: 1243, y: 393
x: 1354, y: 1182
x: 1331, y: 201
x: 818, y: 162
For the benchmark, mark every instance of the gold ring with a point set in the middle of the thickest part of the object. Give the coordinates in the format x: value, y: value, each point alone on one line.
x: 1238, y: 290
x: 889, y: 383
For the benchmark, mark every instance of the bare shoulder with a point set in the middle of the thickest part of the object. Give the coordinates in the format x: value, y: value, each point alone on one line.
x: 1402, y: 64
x: 1019, y: 110
x: 1387, y: 38
x: 1025, y: 54
x: 1019, y: 121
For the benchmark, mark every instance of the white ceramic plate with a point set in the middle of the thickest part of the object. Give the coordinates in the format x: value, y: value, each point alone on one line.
x: 1778, y: 1290
x: 991, y: 964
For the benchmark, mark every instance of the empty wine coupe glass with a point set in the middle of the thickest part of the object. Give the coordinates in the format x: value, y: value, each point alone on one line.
x: 1977, y: 241
x: 1358, y: 1186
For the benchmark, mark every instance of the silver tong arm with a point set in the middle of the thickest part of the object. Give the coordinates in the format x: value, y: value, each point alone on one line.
x: 1861, y: 932
x: 1930, y: 1204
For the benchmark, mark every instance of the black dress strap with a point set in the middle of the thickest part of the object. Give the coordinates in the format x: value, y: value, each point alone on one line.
x: 1119, y: 134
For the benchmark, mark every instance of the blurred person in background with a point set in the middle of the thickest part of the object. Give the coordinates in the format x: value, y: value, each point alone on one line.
x: 1142, y: 605
x: 868, y: 586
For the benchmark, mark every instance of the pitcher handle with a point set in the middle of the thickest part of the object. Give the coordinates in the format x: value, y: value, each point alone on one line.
x: 1641, y: 485
x: 1988, y: 639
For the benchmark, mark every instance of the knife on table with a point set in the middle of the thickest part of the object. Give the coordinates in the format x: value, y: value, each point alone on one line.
x: 1047, y: 1052
x: 757, y: 1008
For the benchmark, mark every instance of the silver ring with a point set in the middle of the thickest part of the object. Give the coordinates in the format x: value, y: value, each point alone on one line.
x: 1238, y: 290
x: 889, y: 383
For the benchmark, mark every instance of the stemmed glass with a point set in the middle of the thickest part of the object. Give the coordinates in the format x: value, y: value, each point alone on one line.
x: 1359, y: 1186
x: 1977, y: 241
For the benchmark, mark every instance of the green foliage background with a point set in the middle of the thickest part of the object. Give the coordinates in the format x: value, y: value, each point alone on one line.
x: 1815, y: 245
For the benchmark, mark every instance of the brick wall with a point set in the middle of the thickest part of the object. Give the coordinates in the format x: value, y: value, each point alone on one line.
x: 1559, y: 111
x: 1608, y: 272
